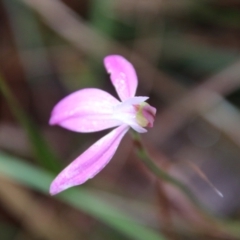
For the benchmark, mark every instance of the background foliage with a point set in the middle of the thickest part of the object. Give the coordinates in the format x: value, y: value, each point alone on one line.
x: 186, y: 54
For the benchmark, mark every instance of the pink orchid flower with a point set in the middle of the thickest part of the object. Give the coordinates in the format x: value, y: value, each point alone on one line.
x: 92, y: 110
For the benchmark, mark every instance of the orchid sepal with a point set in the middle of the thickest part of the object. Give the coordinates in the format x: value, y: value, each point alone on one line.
x: 89, y: 163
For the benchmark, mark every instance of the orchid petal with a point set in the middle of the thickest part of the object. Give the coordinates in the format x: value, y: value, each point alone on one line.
x: 123, y: 76
x: 133, y: 101
x: 91, y: 162
x: 138, y: 128
x: 87, y: 110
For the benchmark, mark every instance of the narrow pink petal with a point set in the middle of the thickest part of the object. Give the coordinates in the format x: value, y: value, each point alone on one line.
x: 138, y: 128
x: 133, y: 101
x: 91, y: 162
x: 123, y: 76
x: 87, y: 110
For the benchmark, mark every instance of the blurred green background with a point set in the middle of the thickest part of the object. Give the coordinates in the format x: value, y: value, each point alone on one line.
x: 187, y: 57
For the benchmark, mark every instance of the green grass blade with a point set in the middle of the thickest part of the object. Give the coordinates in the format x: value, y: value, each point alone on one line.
x: 41, y: 150
x: 82, y: 199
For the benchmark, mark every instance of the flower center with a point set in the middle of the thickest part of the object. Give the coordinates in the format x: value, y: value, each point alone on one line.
x: 145, y: 114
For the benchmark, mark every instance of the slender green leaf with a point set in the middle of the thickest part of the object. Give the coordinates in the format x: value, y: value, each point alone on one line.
x: 42, y: 152
x: 21, y: 20
x: 81, y: 198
